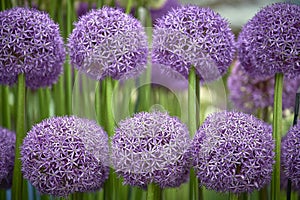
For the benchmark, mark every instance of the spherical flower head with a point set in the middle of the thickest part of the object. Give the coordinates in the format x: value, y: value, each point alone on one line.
x: 7, y: 157
x: 290, y: 159
x: 30, y: 44
x: 249, y: 94
x: 270, y: 42
x: 191, y: 36
x: 233, y: 152
x: 108, y: 42
x: 151, y: 148
x: 63, y: 155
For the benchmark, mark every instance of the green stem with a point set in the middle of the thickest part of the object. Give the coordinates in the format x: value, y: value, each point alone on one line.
x: 3, y: 5
x: 233, y: 196
x: 43, y: 103
x: 153, y: 192
x: 5, y: 107
x: 277, y: 129
x: 20, y: 133
x: 193, y: 190
x: 128, y: 7
x: 109, y: 119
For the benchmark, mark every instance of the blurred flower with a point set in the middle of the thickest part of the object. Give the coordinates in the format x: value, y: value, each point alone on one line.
x: 30, y: 44
x: 83, y: 8
x: 7, y: 157
x: 270, y: 42
x: 108, y: 42
x: 252, y: 93
x: 290, y: 159
x: 193, y: 36
x: 151, y: 148
x: 62, y: 155
x: 233, y: 152
x: 158, y: 77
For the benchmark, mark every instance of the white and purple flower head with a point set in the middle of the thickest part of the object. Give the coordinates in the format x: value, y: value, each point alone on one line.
x: 249, y: 94
x: 63, y: 155
x: 108, y: 42
x: 191, y: 36
x: 233, y: 152
x: 7, y: 157
x: 270, y: 42
x: 151, y: 148
x: 30, y: 44
x: 290, y: 159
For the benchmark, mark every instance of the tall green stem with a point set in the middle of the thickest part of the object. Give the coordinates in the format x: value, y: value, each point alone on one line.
x: 277, y: 129
x: 20, y: 133
x: 193, y: 190
x: 5, y: 108
x: 233, y: 196
x: 153, y: 192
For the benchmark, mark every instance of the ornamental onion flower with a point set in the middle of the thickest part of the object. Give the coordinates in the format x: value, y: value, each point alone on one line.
x: 270, y: 42
x: 193, y: 36
x: 63, y: 155
x: 108, y: 42
x: 30, y: 44
x: 151, y: 148
x: 249, y: 94
x: 7, y: 157
x: 290, y: 160
x: 233, y: 152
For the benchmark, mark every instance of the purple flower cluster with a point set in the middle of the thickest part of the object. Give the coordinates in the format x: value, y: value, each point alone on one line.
x: 193, y: 36
x: 233, y: 152
x: 7, y: 157
x: 270, y: 42
x: 108, y: 42
x: 151, y: 148
x: 290, y: 159
x: 62, y: 155
x: 30, y: 44
x: 249, y: 94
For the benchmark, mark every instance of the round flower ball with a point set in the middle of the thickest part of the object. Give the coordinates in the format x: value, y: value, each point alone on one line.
x: 151, y: 148
x: 7, y: 157
x: 63, y: 155
x: 233, y: 152
x: 270, y: 42
x: 191, y: 36
x: 290, y: 160
x: 249, y: 94
x: 108, y: 42
x: 30, y: 44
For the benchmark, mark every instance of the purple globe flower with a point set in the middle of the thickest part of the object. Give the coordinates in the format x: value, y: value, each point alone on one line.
x: 270, y: 42
x: 30, y: 44
x: 108, y: 42
x: 62, y: 155
x: 290, y: 159
x: 7, y: 157
x: 151, y: 148
x: 249, y: 94
x: 193, y: 36
x: 233, y: 152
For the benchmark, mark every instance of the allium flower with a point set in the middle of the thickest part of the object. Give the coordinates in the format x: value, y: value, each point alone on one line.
x: 62, y: 155
x: 108, y: 42
x: 193, y: 36
x: 290, y: 159
x: 233, y: 152
x: 252, y: 93
x: 151, y: 148
x: 270, y: 42
x: 7, y: 157
x: 30, y: 44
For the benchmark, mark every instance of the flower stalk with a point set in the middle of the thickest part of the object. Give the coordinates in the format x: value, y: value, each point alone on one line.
x: 277, y: 129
